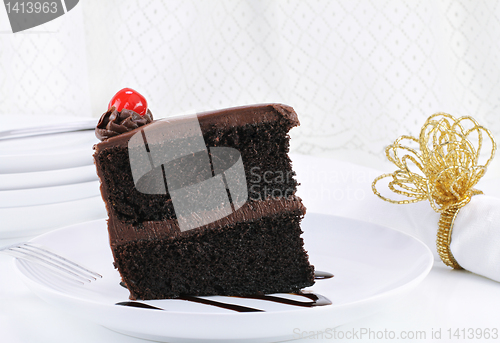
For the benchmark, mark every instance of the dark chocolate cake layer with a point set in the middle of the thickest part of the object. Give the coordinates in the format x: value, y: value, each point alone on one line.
x: 255, y: 250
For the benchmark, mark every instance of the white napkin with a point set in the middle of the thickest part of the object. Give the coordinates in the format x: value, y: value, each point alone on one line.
x: 475, y: 241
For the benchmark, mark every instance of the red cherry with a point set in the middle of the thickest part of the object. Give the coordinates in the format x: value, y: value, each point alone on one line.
x: 129, y: 99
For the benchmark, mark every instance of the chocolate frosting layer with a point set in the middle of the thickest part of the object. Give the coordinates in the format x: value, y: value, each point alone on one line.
x: 120, y: 232
x: 235, y: 116
x: 114, y: 123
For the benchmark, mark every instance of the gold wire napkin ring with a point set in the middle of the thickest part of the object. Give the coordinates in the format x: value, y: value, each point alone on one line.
x: 443, y: 241
x: 445, y: 230
x: 448, y: 168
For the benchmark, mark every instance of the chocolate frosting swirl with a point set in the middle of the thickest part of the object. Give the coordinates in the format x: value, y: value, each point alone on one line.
x: 114, y: 123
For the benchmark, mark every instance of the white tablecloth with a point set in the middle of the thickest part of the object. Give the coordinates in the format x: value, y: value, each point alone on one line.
x: 446, y: 301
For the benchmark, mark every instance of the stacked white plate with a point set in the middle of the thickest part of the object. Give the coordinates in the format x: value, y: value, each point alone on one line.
x: 47, y: 181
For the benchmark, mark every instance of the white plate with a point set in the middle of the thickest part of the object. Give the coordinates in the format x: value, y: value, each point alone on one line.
x: 48, y: 195
x: 373, y: 266
x: 32, y: 220
x: 49, y: 178
x: 40, y: 153
x: 39, y: 144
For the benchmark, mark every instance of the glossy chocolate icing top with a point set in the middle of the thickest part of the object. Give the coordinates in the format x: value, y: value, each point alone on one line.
x: 235, y: 116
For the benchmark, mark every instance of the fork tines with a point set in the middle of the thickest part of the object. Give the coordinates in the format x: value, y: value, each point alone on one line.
x: 35, y: 253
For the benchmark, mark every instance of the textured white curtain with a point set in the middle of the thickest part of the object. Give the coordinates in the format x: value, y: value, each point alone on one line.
x: 359, y: 73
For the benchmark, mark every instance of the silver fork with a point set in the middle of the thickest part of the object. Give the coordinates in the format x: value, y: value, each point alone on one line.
x: 62, y: 266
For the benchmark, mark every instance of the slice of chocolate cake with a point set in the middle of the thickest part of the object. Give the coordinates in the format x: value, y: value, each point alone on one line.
x: 203, y: 205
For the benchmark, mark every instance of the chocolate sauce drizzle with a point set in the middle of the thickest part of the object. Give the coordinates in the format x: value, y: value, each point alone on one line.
x: 318, y: 275
x: 237, y: 308
x: 138, y: 304
x: 317, y: 299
